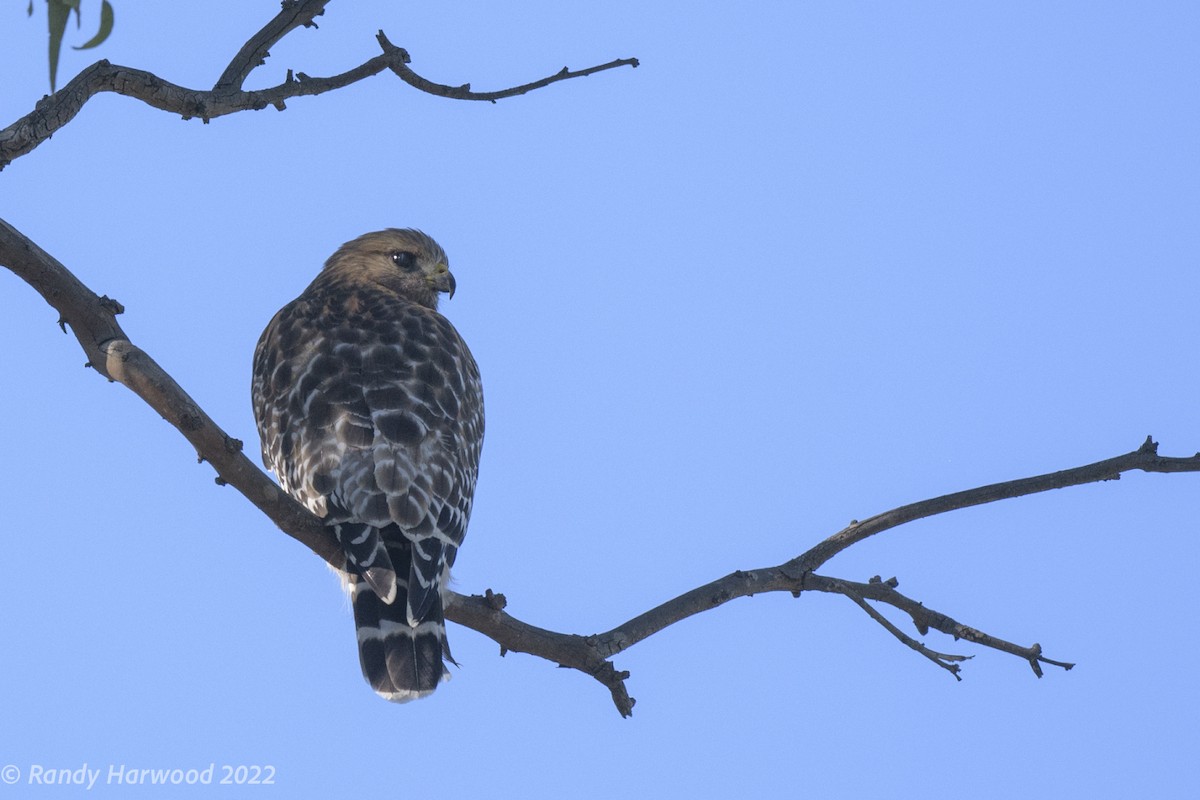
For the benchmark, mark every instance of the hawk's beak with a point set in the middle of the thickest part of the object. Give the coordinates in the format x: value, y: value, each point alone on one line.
x: 442, y: 280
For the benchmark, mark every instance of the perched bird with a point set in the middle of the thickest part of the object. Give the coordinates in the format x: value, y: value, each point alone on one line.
x: 370, y: 410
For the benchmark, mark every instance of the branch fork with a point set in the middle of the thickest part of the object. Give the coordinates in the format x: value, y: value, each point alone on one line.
x: 227, y: 95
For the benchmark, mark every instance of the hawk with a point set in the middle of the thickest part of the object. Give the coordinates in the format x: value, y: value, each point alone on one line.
x: 370, y: 410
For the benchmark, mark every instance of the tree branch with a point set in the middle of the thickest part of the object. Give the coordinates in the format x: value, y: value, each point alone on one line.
x: 944, y: 660
x: 400, y: 67
x: 227, y: 97
x: 93, y: 321
x: 1145, y: 458
x: 925, y: 618
x: 254, y: 53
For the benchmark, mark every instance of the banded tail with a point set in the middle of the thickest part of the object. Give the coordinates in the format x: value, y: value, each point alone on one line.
x: 402, y: 644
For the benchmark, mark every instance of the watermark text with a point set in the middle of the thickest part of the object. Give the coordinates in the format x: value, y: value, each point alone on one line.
x: 89, y: 776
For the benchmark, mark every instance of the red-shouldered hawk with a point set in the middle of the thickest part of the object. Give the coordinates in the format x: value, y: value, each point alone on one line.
x: 370, y: 410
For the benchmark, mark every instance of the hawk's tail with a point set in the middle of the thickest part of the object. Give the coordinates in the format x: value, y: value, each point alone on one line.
x: 401, y: 660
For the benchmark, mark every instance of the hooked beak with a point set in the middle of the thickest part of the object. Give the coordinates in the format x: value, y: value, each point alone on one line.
x: 443, y: 281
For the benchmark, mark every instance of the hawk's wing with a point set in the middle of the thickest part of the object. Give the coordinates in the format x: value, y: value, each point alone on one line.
x: 371, y: 413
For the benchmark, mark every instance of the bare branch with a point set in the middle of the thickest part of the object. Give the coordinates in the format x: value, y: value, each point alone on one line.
x: 485, y: 614
x: 56, y: 110
x: 109, y: 352
x: 227, y: 97
x: 796, y: 575
x: 924, y: 619
x: 1145, y: 458
x: 93, y: 321
x: 943, y: 660
x: 400, y: 67
x: 295, y: 13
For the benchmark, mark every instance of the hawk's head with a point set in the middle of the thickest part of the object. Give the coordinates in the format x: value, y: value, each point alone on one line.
x: 404, y: 260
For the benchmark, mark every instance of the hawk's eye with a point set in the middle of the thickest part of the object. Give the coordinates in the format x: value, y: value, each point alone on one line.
x: 405, y: 260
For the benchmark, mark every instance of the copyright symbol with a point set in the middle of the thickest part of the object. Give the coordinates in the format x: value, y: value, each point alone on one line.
x: 10, y: 774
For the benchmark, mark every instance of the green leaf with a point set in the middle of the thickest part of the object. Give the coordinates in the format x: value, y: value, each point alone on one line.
x: 57, y: 14
x: 106, y: 26
x: 74, y: 5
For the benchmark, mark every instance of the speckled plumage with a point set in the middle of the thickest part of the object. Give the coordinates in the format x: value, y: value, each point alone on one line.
x: 370, y: 410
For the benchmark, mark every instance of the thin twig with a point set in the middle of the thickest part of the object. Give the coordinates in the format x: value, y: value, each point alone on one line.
x: 463, y: 92
x: 925, y: 618
x: 1145, y: 458
x: 943, y: 660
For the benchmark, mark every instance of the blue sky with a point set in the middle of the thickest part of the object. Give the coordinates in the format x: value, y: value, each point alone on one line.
x: 809, y: 262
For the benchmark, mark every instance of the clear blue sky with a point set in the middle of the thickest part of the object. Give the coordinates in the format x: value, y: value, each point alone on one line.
x: 809, y: 262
